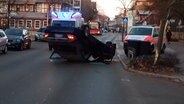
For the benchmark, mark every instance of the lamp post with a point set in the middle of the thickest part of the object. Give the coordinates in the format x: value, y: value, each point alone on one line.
x: 8, y: 14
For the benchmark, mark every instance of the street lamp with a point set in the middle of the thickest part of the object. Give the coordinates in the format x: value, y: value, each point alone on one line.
x: 8, y: 14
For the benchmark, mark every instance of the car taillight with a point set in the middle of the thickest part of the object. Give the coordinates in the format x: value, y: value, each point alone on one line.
x: 71, y: 37
x: 46, y: 35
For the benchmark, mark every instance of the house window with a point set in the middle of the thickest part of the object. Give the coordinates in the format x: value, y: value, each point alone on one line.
x: 44, y: 23
x: 12, y: 23
x: 21, y: 23
x: 37, y: 24
x: 13, y: 8
x: 29, y: 8
x: 28, y: 23
x: 42, y: 8
x: 3, y: 7
x: 3, y: 22
x: 57, y: 7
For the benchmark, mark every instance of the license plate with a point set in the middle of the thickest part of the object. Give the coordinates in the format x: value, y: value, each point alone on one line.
x: 58, y: 35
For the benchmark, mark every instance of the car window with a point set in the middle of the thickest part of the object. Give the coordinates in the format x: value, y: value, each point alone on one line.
x: 64, y: 23
x: 140, y: 31
x: 156, y: 32
x: 2, y: 34
x: 17, y: 32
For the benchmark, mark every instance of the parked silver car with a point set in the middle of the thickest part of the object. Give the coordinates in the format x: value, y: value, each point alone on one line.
x: 3, y: 42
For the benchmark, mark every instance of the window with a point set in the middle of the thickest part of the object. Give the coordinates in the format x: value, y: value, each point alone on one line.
x: 44, y: 23
x: 140, y: 31
x: 37, y: 24
x: 2, y: 34
x: 42, y: 8
x: 13, y: 8
x: 64, y: 23
x: 12, y: 23
x: 3, y: 22
x: 21, y: 23
x: 3, y: 7
x: 28, y: 23
x: 29, y: 8
x: 57, y: 7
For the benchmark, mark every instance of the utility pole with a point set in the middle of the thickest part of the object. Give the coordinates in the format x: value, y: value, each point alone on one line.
x: 8, y: 14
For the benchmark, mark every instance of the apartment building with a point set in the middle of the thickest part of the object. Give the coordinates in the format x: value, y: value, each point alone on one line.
x: 144, y: 15
x: 30, y: 14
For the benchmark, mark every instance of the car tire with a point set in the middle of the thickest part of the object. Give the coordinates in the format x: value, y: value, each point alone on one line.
x: 29, y: 46
x: 5, y: 50
x: 21, y: 47
x: 36, y: 39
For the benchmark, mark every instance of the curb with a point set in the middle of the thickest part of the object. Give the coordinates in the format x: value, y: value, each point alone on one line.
x: 179, y: 79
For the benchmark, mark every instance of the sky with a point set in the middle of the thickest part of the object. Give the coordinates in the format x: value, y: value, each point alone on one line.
x: 109, y: 7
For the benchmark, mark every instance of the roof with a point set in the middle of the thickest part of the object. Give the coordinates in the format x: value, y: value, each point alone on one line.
x: 30, y: 15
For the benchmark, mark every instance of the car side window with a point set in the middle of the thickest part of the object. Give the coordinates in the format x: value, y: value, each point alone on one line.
x: 156, y: 32
x: 2, y: 34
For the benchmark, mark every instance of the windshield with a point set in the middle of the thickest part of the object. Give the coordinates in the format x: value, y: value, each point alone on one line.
x: 94, y: 26
x: 16, y: 32
x: 140, y: 31
x: 63, y: 23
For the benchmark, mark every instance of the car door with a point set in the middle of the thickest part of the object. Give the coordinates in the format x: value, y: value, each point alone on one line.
x: 3, y: 40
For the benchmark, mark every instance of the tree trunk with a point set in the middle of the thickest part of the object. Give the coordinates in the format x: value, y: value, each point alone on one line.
x: 163, y: 26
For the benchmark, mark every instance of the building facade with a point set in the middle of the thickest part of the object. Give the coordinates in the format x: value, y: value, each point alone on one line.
x: 33, y: 14
x: 144, y: 15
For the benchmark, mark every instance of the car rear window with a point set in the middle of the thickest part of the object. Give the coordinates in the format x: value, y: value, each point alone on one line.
x: 63, y: 23
x: 140, y: 31
x: 16, y: 32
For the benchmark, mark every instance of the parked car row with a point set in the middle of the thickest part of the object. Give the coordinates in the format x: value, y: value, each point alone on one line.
x: 14, y: 38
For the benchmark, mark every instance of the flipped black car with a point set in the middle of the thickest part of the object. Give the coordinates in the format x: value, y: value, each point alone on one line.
x: 77, y: 44
x: 18, y: 38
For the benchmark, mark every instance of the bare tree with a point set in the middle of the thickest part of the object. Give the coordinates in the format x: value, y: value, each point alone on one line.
x: 166, y: 9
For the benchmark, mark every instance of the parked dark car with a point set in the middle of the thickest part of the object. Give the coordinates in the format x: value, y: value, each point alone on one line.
x: 18, y: 38
x: 40, y: 35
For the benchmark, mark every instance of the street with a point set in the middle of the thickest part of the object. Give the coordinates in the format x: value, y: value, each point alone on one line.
x: 29, y: 77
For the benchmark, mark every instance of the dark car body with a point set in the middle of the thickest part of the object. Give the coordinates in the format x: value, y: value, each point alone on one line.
x: 40, y: 35
x: 67, y: 41
x: 18, y: 38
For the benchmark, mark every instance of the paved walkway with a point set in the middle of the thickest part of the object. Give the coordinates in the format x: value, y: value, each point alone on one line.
x: 174, y: 49
x: 177, y: 49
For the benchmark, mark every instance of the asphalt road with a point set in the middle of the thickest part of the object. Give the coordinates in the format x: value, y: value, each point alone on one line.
x: 29, y: 77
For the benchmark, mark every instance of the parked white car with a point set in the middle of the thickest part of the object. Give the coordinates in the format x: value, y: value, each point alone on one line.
x: 3, y: 42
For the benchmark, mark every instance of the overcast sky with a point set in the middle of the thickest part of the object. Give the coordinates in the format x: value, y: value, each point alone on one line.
x: 110, y: 7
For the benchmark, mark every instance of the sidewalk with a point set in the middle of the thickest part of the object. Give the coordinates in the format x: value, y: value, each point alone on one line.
x: 177, y: 48
x: 174, y: 49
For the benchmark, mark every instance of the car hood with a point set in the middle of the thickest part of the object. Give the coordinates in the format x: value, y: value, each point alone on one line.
x: 12, y: 37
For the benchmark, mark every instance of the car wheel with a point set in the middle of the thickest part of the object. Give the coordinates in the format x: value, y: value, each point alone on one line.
x: 29, y: 46
x: 36, y: 39
x: 21, y: 47
x: 5, y: 50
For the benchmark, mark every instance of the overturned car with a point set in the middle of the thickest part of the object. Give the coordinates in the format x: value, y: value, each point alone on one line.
x: 69, y: 37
